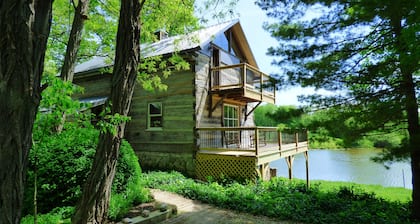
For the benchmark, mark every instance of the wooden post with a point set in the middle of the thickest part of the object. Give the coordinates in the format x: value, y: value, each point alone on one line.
x: 263, y: 170
x: 261, y: 85
x: 244, y: 77
x: 289, y: 161
x: 279, y: 140
x: 297, y: 140
x: 256, y: 140
x: 307, y: 168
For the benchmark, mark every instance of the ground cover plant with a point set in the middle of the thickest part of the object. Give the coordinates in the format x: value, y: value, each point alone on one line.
x: 288, y: 200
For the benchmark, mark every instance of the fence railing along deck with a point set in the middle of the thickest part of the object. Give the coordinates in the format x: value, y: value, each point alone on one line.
x: 254, y: 140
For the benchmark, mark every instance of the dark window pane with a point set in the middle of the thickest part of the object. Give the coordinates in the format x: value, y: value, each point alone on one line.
x: 155, y: 108
x: 156, y: 122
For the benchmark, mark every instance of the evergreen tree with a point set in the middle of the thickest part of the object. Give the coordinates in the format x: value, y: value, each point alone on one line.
x: 368, y: 52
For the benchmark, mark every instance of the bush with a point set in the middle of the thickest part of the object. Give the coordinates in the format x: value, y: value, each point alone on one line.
x: 64, y: 162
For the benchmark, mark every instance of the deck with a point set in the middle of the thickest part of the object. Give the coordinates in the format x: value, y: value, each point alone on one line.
x: 242, y: 150
x: 242, y: 82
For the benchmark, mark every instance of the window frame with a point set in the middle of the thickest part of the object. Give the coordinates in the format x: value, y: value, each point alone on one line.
x: 150, y: 116
x: 231, y: 119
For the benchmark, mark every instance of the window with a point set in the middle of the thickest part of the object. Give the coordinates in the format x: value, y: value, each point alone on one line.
x: 230, y: 116
x: 231, y: 119
x: 154, y: 116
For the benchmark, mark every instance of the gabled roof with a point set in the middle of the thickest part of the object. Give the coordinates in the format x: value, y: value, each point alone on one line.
x: 196, y: 40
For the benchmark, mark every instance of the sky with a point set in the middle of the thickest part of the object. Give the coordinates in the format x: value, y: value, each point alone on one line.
x: 252, y: 19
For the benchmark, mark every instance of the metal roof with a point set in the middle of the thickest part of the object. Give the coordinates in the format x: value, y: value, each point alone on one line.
x: 194, y: 40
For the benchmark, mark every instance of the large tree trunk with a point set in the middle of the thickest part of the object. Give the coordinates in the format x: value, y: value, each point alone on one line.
x: 25, y: 27
x: 412, y: 108
x: 94, y: 203
x: 408, y: 90
x: 414, y: 144
x: 73, y: 45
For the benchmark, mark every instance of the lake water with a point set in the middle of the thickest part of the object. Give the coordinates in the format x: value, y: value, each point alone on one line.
x: 352, y: 165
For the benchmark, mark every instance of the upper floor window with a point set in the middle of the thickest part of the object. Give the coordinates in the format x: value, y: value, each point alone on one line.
x: 155, y: 116
x: 226, y: 49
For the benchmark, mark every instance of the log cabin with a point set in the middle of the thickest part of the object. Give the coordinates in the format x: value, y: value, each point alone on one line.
x: 202, y: 125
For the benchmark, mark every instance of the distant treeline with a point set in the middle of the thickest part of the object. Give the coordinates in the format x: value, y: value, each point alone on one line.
x: 329, y: 128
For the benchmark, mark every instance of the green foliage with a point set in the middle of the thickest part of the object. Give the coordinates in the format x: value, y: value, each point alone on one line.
x: 127, y: 188
x: 261, y: 117
x: 329, y: 128
x: 365, y: 53
x: 288, y: 200
x: 110, y: 122
x: 175, y: 17
x: 58, y: 216
x: 56, y: 100
x: 64, y: 161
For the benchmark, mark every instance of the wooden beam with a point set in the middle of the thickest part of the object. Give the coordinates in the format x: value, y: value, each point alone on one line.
x: 217, y: 104
x: 252, y: 110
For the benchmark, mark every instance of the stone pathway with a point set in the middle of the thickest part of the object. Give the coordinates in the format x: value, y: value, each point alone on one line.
x: 193, y: 212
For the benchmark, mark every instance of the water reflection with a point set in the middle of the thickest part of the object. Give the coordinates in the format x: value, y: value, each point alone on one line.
x: 353, y: 165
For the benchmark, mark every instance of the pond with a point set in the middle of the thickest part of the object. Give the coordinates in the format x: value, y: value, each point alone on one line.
x: 350, y: 165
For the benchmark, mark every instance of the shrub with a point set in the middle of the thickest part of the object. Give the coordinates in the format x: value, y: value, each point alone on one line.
x: 288, y: 200
x: 64, y: 161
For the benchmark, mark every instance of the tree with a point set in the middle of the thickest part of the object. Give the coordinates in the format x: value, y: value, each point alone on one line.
x: 25, y: 27
x: 367, y: 51
x: 93, y: 206
x: 73, y: 45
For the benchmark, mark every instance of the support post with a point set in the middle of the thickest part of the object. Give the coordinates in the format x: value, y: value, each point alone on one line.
x: 256, y: 140
x: 289, y: 161
x: 307, y: 168
x: 264, y: 170
x: 279, y: 139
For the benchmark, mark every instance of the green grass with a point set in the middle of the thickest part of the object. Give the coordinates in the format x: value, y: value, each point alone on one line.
x: 388, y: 193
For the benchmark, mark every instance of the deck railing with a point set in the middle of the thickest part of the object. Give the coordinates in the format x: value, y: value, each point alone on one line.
x: 250, y: 79
x: 251, y: 139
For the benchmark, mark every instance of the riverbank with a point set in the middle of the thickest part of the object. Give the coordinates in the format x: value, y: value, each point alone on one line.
x: 282, y: 199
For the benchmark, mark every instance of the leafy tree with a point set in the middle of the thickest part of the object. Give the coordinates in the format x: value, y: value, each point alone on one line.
x: 261, y: 117
x: 25, y: 27
x: 94, y: 203
x: 367, y: 51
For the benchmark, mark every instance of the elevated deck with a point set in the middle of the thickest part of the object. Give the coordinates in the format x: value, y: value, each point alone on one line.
x: 242, y: 82
x: 245, y: 151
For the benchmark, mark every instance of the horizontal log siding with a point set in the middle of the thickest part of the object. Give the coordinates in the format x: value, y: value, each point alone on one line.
x: 177, y: 134
x: 96, y: 86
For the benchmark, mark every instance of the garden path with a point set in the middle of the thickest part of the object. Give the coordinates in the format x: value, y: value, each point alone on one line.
x: 193, y: 212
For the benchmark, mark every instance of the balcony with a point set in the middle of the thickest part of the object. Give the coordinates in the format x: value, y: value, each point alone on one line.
x: 242, y: 82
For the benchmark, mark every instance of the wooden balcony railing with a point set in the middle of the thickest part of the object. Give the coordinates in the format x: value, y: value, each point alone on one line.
x: 251, y: 140
x: 245, y: 80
